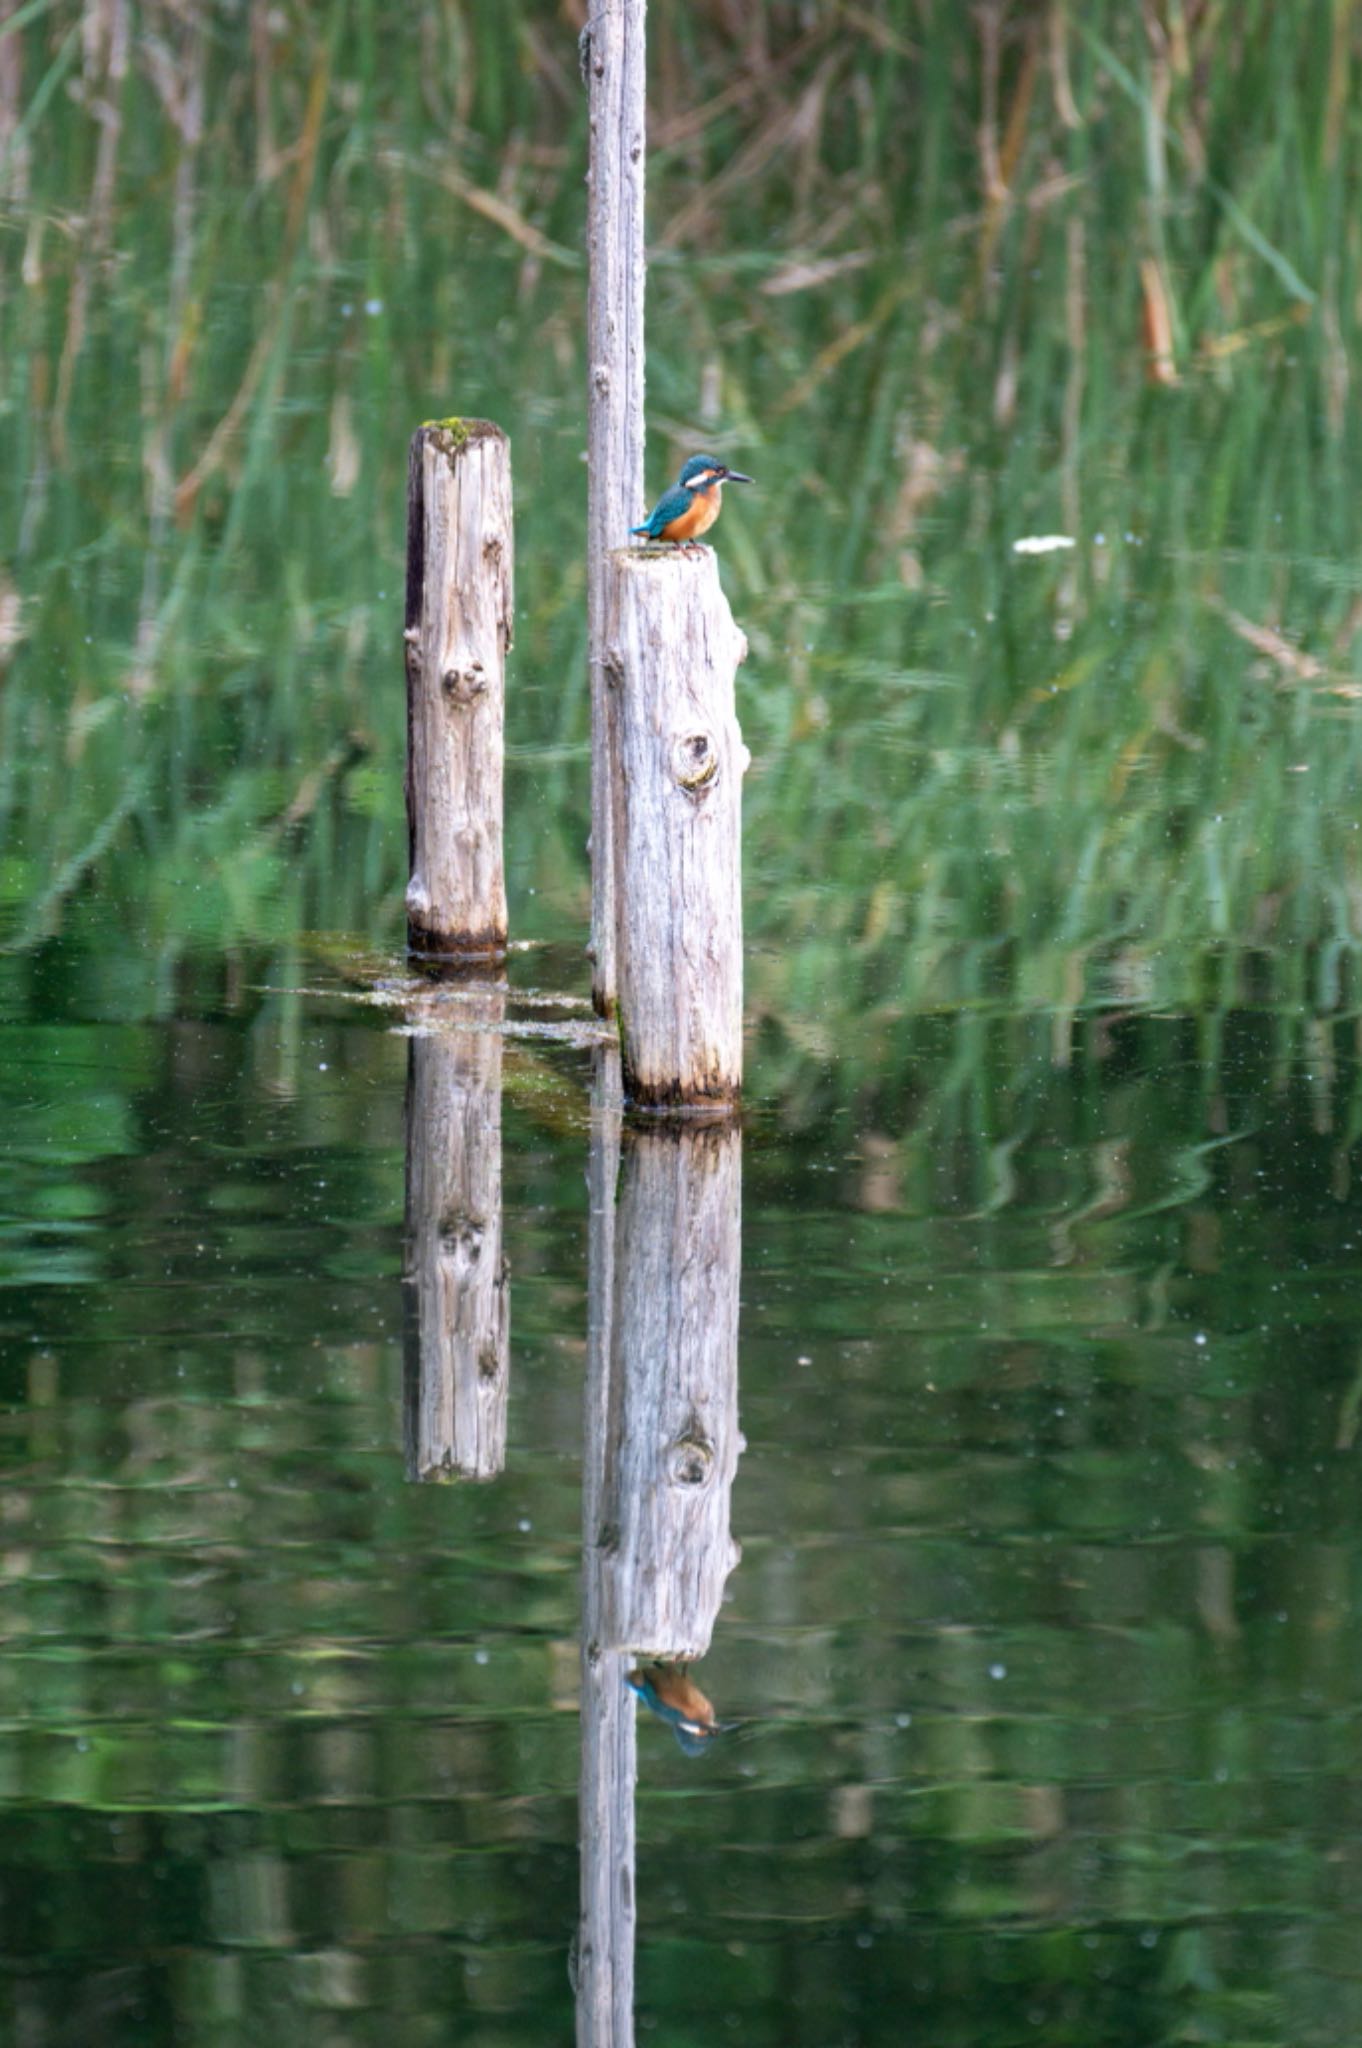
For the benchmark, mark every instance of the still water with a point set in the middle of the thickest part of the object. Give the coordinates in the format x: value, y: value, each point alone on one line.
x: 1036, y: 1678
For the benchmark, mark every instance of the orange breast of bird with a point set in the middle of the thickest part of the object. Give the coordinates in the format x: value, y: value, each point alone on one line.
x: 698, y: 516
x: 682, y: 1695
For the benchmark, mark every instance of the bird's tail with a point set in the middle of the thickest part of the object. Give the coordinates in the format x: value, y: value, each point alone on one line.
x: 640, y: 529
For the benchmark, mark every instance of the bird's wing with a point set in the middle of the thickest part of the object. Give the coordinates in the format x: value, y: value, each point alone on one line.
x: 669, y: 506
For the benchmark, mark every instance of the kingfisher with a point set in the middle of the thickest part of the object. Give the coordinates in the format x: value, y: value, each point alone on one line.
x: 693, y: 503
x: 671, y: 1694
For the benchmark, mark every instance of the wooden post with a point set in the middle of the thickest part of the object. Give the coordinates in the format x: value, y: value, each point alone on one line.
x: 604, y: 1972
x: 460, y: 558
x: 672, y: 651
x: 457, y: 1294
x: 673, y: 1442
x: 612, y: 50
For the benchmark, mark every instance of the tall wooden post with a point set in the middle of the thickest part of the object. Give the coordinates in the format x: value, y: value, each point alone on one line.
x: 460, y: 604
x: 456, y: 1287
x: 612, y: 56
x: 672, y: 652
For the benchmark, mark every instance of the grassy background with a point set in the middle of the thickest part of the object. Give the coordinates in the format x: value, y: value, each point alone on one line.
x: 941, y: 279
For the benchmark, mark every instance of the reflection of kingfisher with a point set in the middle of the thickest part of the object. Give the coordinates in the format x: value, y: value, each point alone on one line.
x: 693, y: 503
x: 670, y: 1693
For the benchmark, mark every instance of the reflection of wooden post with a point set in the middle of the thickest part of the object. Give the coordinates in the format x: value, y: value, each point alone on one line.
x: 458, y: 1299
x: 671, y: 654
x: 605, y: 1939
x: 674, y: 1441
x: 459, y: 614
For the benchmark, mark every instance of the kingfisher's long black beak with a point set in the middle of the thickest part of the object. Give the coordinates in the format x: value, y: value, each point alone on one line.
x: 735, y: 476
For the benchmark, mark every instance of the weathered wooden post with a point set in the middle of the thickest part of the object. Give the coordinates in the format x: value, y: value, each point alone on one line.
x: 612, y: 51
x: 672, y: 652
x: 674, y: 1441
x: 460, y: 557
x: 605, y: 1934
x: 456, y: 1289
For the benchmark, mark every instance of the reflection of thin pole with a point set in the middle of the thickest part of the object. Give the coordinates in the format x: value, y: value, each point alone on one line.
x: 605, y: 1942
x: 457, y: 1294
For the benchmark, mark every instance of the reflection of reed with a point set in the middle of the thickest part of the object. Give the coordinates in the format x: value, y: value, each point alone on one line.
x: 458, y: 1301
x: 662, y: 1445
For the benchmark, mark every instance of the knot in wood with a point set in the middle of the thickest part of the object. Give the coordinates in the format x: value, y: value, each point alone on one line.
x: 695, y: 761
x: 461, y: 1233
x: 489, y: 1363
x: 691, y: 1460
x: 462, y: 685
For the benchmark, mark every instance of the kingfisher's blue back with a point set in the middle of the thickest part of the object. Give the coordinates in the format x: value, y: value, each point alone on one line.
x: 669, y: 506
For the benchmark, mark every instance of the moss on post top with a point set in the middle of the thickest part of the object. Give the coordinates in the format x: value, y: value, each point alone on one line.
x: 453, y: 435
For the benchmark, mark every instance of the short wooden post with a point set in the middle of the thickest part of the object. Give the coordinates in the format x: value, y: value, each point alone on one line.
x: 671, y: 654
x: 456, y: 1286
x: 673, y: 1443
x: 605, y: 1937
x: 460, y: 557
x: 613, y: 66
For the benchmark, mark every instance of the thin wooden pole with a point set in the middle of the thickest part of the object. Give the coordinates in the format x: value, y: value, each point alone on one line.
x: 672, y: 654
x: 460, y: 605
x: 456, y: 1283
x: 612, y: 53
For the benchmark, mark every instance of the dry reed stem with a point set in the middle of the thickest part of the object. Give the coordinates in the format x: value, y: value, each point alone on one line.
x: 787, y: 126
x: 225, y: 432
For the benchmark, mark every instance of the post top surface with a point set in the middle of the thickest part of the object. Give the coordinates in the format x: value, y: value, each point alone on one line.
x: 454, y: 434
x: 644, y: 554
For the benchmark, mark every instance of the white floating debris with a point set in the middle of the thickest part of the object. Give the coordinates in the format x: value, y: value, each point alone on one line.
x: 1042, y: 543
